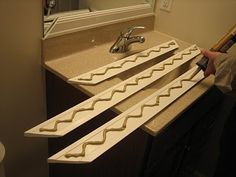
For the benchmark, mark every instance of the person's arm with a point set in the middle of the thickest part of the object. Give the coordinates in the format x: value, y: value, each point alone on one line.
x: 223, y: 66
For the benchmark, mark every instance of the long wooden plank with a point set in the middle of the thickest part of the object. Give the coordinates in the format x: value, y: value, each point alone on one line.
x: 100, y: 74
x: 83, y: 112
x: 100, y: 140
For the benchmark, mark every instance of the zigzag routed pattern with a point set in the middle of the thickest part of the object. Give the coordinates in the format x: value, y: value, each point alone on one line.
x: 124, y: 125
x: 126, y: 61
x: 55, y: 127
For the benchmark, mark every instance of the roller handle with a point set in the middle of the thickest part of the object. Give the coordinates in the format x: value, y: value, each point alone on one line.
x: 202, y: 63
x: 222, y: 46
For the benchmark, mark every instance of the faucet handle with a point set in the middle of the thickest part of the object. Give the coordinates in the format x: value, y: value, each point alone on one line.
x: 127, y: 32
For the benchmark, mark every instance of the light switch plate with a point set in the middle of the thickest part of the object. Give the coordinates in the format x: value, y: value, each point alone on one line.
x: 166, y: 5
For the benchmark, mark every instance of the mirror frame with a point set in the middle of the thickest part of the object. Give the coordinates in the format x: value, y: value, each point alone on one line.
x: 73, y: 22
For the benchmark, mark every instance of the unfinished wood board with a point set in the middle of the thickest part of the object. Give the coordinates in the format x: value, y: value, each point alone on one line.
x: 83, y: 112
x: 100, y: 140
x: 112, y: 69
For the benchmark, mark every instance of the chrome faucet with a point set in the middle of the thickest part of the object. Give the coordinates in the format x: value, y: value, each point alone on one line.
x: 50, y: 4
x: 125, y: 39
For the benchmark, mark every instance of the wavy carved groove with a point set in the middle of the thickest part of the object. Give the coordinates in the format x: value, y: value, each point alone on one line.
x: 124, y: 125
x: 136, y: 82
x: 126, y: 61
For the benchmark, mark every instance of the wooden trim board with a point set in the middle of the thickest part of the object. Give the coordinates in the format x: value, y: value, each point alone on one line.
x: 100, y: 140
x: 98, y: 75
x: 83, y: 112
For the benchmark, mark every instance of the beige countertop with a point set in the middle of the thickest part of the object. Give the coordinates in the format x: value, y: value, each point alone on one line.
x: 97, y: 55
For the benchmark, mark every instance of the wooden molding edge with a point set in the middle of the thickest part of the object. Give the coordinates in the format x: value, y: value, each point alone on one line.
x: 72, y: 118
x: 99, y: 141
x: 100, y: 74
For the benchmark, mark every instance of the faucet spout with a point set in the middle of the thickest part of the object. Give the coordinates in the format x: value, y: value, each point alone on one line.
x: 124, y: 40
x: 135, y: 39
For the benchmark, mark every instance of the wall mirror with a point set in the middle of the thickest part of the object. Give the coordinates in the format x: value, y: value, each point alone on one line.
x: 67, y: 16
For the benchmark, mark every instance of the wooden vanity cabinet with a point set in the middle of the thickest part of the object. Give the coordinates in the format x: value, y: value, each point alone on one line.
x: 190, y: 143
x: 168, y: 154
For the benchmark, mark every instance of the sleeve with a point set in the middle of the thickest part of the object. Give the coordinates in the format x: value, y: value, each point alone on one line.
x: 225, y: 80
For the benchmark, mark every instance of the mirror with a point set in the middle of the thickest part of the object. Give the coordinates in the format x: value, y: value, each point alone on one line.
x: 66, y: 16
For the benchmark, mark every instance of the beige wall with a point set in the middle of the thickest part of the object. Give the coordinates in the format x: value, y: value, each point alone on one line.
x: 22, y: 97
x: 202, y: 22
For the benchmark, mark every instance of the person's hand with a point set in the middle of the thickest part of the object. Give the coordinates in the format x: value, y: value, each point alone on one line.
x: 210, y: 66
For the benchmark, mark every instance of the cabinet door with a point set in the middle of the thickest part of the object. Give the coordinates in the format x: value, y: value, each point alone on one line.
x: 125, y: 159
x: 181, y: 147
x: 166, y: 161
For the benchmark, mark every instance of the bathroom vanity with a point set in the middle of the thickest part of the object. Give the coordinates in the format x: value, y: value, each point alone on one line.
x: 165, y: 145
